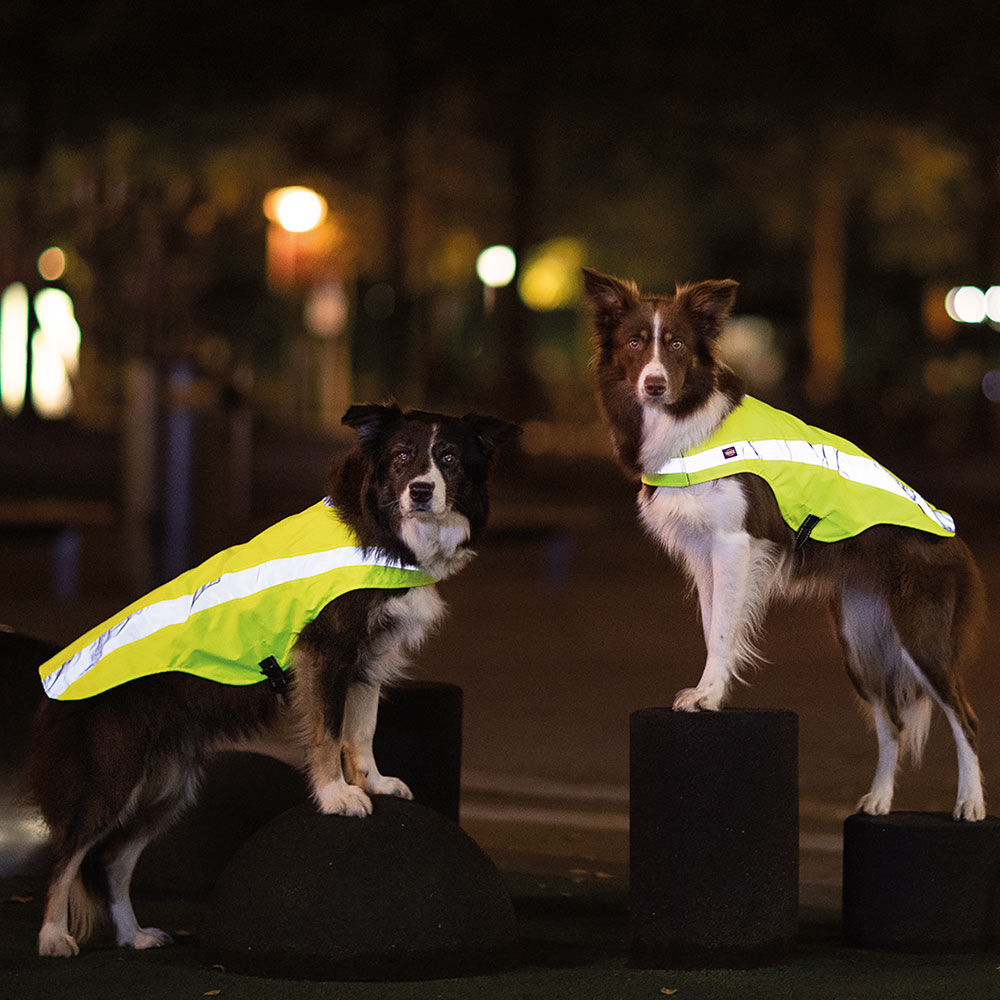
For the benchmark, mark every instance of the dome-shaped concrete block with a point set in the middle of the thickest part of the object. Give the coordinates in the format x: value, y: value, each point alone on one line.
x: 402, y: 894
x: 418, y: 739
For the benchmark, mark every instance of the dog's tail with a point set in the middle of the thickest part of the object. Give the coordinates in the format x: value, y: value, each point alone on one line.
x: 915, y: 719
x: 88, y: 900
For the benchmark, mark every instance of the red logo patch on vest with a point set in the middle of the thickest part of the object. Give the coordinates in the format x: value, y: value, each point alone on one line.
x: 729, y: 452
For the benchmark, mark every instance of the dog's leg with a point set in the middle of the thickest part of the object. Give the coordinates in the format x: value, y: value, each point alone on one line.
x: 120, y: 865
x: 54, y: 939
x: 726, y: 619
x: 970, y: 802
x: 331, y: 790
x: 166, y: 791
x: 699, y: 566
x: 874, y: 656
x: 932, y: 642
x: 878, y: 800
x: 322, y: 726
x: 360, y: 715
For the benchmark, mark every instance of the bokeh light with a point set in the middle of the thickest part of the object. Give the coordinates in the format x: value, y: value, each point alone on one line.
x: 296, y: 209
x: 496, y: 266
x: 966, y: 304
x: 550, y: 278
x: 55, y: 354
x: 13, y: 348
x: 52, y: 264
x: 993, y: 303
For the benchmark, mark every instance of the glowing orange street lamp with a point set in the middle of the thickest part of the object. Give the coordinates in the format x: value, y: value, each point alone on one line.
x: 300, y: 238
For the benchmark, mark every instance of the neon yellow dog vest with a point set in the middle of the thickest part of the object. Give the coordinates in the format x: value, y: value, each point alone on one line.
x: 825, y: 486
x: 222, y: 619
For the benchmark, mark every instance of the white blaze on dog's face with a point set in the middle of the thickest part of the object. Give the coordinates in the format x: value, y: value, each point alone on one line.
x: 423, y: 467
x: 423, y: 491
x: 661, y: 346
x: 426, y: 476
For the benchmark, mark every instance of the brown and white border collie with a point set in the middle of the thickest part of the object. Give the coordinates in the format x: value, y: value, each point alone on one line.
x: 906, y: 604
x: 112, y: 771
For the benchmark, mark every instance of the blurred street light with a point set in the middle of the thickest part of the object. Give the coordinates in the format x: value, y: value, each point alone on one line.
x: 296, y: 209
x: 301, y: 240
x: 55, y: 351
x: 309, y: 255
x: 14, y: 320
x: 496, y: 266
x: 550, y: 278
x: 968, y: 304
x: 52, y: 264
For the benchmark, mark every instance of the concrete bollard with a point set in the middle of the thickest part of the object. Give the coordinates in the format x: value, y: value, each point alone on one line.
x: 921, y: 882
x: 419, y: 739
x: 713, y: 837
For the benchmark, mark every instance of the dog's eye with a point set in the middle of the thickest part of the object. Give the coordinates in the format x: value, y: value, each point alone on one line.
x: 634, y: 343
x: 401, y: 456
x: 677, y: 345
x: 448, y: 458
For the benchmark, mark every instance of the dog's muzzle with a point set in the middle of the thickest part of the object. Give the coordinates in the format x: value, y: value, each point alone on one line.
x: 421, y: 494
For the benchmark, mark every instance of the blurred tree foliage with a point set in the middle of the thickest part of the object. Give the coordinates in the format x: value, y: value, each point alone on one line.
x: 678, y: 142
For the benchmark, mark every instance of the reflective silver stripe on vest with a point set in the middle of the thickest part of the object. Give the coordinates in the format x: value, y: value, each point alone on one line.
x: 148, y: 620
x: 855, y: 468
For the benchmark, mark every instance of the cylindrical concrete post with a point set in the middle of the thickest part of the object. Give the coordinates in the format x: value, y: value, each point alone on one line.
x: 419, y: 739
x: 713, y: 837
x: 921, y: 882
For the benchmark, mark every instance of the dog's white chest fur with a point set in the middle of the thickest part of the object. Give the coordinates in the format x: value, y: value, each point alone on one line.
x: 686, y: 519
x: 438, y: 542
x: 414, y: 614
x: 665, y: 437
x: 404, y: 622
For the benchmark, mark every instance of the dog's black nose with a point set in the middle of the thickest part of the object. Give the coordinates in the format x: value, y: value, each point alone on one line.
x: 421, y: 492
x: 654, y: 385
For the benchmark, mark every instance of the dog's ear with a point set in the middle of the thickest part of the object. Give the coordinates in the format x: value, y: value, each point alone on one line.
x: 610, y: 298
x: 709, y: 301
x: 369, y: 419
x: 491, y: 432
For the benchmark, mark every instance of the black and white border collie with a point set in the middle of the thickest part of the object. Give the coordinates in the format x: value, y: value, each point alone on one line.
x: 112, y: 771
x: 907, y: 605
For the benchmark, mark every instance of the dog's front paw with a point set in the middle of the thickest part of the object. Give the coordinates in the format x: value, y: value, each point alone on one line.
x: 390, y: 786
x: 875, y: 804
x: 55, y: 943
x: 338, y: 798
x: 149, y: 937
x: 695, y: 700
x: 971, y: 809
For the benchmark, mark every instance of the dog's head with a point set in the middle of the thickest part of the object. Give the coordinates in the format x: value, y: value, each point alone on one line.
x: 658, y: 349
x: 418, y: 469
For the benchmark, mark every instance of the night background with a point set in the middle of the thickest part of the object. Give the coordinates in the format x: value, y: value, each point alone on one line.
x: 839, y: 161
x: 193, y: 358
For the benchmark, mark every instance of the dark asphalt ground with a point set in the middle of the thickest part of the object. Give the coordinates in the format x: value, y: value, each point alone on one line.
x: 569, y: 620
